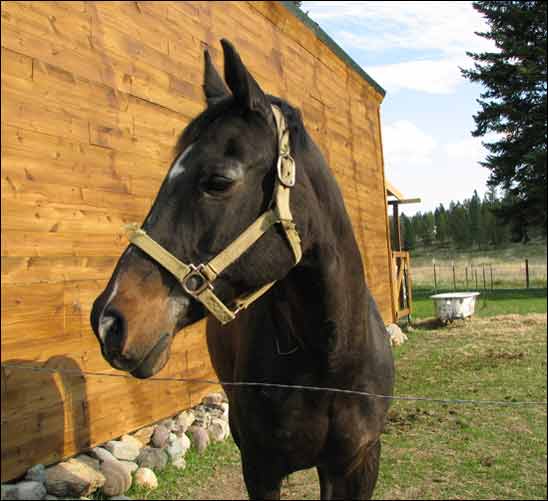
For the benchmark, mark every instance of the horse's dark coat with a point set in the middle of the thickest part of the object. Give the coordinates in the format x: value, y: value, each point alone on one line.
x: 319, y: 324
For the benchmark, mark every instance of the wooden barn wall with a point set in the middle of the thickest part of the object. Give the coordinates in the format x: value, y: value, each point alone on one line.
x: 94, y: 95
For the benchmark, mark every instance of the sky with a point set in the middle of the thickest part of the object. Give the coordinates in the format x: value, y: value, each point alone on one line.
x: 414, y: 51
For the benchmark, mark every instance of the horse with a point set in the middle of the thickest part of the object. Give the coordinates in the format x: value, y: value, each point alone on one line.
x: 251, y: 198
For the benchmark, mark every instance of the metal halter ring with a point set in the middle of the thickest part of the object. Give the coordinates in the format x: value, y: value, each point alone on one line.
x: 203, y: 284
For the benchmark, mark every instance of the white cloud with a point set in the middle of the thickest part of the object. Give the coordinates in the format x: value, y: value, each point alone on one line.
x: 433, y: 76
x: 405, y: 144
x: 419, y: 166
x: 442, y: 26
x: 441, y: 31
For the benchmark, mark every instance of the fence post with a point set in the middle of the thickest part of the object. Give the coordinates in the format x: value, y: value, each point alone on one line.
x: 454, y: 278
x: 484, y: 283
x: 466, y: 272
x: 527, y: 273
x: 476, y: 275
x: 491, y: 270
x: 435, y: 279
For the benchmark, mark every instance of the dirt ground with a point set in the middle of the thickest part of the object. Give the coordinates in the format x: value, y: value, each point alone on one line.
x: 228, y: 483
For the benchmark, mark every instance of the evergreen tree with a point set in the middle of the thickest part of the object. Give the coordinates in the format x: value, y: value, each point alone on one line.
x: 474, y: 215
x: 514, y: 106
x: 442, y: 228
x: 458, y: 225
x: 409, y: 238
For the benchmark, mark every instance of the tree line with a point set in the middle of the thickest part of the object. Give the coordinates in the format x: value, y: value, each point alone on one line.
x: 468, y: 224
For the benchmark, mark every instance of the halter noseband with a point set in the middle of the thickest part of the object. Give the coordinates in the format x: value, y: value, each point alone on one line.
x: 203, y: 275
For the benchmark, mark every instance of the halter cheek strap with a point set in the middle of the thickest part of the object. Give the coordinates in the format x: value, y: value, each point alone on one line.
x: 197, y: 281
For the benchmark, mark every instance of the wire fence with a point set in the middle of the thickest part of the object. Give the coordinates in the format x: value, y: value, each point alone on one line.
x: 486, y: 276
x: 253, y: 384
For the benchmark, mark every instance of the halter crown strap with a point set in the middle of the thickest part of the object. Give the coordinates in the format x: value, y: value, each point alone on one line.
x: 197, y: 280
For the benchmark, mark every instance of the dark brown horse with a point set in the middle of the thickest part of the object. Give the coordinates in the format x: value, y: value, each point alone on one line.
x: 317, y: 325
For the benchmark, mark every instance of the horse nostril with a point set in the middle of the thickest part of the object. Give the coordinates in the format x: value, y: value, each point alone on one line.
x: 112, y: 331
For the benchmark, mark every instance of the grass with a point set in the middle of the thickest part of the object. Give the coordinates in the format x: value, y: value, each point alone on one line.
x: 434, y: 451
x: 489, y: 303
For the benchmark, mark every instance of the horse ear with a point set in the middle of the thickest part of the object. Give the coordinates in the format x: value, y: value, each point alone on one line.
x: 243, y: 86
x: 214, y: 88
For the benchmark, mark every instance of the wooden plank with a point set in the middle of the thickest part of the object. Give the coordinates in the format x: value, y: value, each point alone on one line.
x: 16, y: 64
x: 32, y: 270
x: 27, y: 244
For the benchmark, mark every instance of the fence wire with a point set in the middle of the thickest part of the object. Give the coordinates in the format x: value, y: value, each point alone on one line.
x: 252, y: 384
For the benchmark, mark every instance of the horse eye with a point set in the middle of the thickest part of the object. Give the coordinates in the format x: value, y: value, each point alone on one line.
x: 217, y: 184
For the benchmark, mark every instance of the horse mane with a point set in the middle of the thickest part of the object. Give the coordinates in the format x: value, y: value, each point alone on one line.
x: 297, y: 132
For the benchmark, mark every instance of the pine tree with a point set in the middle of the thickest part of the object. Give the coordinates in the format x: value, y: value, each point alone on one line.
x: 409, y: 238
x: 474, y: 215
x: 514, y: 106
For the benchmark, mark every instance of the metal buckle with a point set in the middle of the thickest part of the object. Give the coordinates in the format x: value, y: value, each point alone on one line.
x: 195, y: 272
x: 286, y: 170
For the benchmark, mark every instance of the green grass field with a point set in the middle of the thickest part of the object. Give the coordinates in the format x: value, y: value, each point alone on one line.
x: 435, y: 451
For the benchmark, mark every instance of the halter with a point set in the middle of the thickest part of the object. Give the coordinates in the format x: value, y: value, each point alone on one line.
x: 197, y: 281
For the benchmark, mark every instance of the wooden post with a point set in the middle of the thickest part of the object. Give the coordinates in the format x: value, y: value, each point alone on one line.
x: 397, y: 229
x: 527, y: 273
x: 454, y: 277
x: 484, y: 282
x: 491, y: 270
x: 435, y: 279
x: 476, y: 274
x: 466, y: 272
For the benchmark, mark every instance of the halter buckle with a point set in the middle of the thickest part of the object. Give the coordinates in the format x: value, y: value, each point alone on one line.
x: 286, y: 170
x: 196, y: 273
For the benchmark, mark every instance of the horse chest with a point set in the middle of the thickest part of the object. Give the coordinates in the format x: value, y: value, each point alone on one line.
x: 287, y: 421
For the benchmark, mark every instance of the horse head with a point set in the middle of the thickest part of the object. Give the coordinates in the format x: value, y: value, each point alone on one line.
x: 220, y: 182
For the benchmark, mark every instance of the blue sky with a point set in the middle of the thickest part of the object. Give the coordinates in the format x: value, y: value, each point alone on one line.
x: 414, y: 50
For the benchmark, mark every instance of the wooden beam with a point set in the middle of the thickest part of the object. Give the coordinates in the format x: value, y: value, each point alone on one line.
x: 391, y: 190
x: 404, y: 201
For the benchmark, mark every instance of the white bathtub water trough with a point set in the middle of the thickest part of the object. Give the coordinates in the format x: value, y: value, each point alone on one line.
x: 452, y: 305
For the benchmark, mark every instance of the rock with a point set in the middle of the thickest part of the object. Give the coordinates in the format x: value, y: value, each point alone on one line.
x: 91, y: 462
x: 224, y: 406
x: 218, y: 430
x: 199, y: 437
x: 145, y: 477
x: 30, y: 489
x: 169, y: 424
x: 202, y: 416
x: 179, y: 463
x: 144, y: 434
x: 213, y: 399
x: 118, y: 478
x: 177, y: 447
x: 397, y: 337
x: 132, y: 440
x: 184, y: 421
x: 160, y: 436
x: 122, y: 450
x: 9, y: 492
x: 36, y: 473
x: 150, y: 457
x: 51, y: 497
x: 72, y: 478
x: 101, y: 454
x: 130, y: 466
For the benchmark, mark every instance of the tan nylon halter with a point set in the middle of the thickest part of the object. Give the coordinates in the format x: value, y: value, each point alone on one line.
x: 206, y: 273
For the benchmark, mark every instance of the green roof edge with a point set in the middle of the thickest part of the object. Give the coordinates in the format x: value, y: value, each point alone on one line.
x: 339, y: 52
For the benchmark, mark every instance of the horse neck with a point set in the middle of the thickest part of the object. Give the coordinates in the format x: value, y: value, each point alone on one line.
x: 328, y: 288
